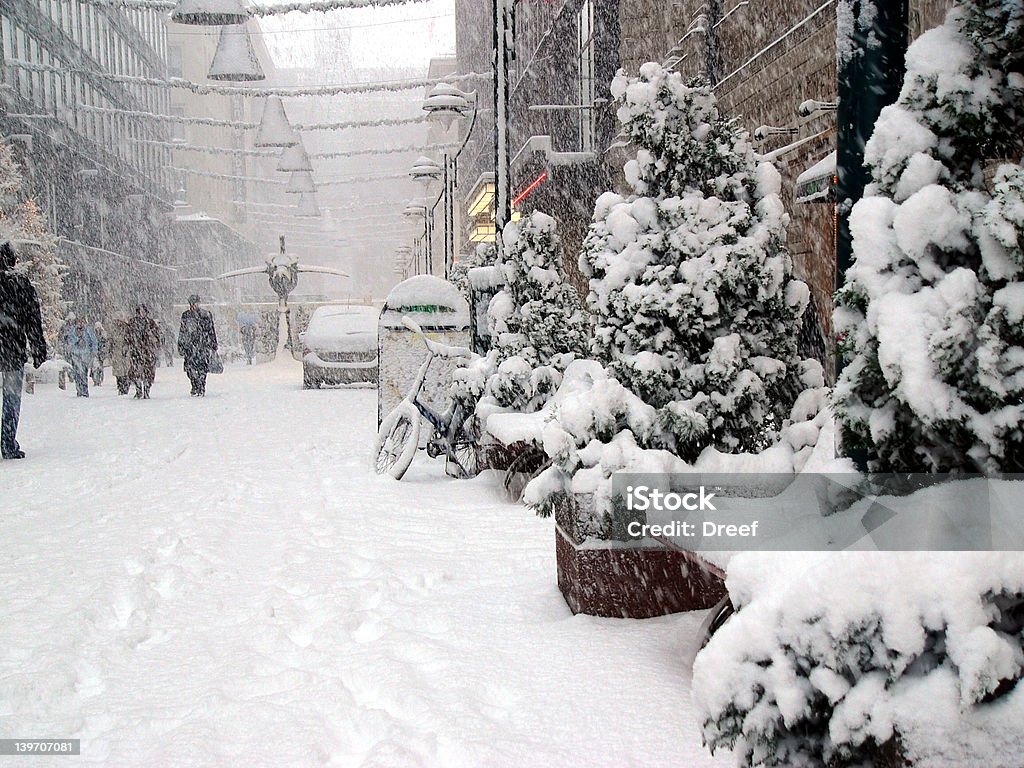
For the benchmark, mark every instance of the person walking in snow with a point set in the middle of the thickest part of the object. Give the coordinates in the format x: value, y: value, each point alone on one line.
x: 120, y: 366
x: 143, y: 342
x: 197, y: 343
x: 102, y: 347
x: 82, y: 347
x: 21, y: 326
x: 248, y: 334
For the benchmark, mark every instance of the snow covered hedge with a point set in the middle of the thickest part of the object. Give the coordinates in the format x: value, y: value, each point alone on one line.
x: 932, y: 313
x: 832, y: 655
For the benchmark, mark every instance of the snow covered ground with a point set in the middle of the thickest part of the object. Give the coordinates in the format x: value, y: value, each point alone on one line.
x: 223, y: 582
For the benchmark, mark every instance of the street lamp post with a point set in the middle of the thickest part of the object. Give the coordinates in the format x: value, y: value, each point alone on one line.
x: 503, y: 15
x: 445, y: 105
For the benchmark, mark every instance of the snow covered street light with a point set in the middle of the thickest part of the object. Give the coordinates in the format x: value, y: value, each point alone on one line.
x: 446, y: 104
x: 426, y: 170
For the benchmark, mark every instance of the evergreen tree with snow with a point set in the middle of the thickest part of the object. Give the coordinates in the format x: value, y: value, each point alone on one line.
x: 22, y: 223
x: 695, y: 306
x: 931, y: 317
x: 537, y: 322
x: 537, y: 315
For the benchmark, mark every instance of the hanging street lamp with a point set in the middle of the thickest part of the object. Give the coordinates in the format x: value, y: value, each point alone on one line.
x: 274, y: 129
x: 299, y: 182
x: 294, y: 158
x: 308, y: 207
x: 235, y: 58
x: 213, y: 13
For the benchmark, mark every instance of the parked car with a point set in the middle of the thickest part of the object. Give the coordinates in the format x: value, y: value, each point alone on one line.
x: 339, y: 346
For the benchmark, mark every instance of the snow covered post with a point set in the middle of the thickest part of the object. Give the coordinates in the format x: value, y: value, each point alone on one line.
x: 503, y: 47
x: 932, y: 313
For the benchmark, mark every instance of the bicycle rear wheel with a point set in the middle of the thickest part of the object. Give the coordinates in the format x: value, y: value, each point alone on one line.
x: 466, y: 451
x: 397, y: 440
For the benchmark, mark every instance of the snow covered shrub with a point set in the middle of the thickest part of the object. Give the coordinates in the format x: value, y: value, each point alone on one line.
x: 22, y: 223
x: 695, y: 307
x: 831, y: 656
x: 537, y: 321
x: 484, y: 256
x: 540, y: 315
x: 932, y: 313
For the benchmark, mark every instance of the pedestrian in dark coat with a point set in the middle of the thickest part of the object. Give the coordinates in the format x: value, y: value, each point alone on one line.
x: 143, y: 350
x: 21, y: 326
x: 197, y: 343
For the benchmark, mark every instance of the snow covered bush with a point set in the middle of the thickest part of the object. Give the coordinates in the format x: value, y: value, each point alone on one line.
x: 696, y: 310
x: 537, y: 321
x: 932, y: 313
x: 23, y: 224
x: 830, y: 656
x: 696, y: 313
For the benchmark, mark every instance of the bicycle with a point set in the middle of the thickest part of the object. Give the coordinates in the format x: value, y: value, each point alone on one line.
x: 456, y: 434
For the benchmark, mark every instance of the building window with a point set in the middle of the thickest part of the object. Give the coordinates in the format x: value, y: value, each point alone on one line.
x: 178, y: 127
x: 174, y: 65
x: 585, y: 26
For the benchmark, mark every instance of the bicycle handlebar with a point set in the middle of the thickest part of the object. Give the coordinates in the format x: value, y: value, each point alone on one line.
x: 441, y: 350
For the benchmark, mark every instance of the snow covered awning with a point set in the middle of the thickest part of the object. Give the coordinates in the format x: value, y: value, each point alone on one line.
x: 818, y: 183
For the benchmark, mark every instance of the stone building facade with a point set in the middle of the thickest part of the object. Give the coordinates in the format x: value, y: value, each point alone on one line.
x: 764, y: 59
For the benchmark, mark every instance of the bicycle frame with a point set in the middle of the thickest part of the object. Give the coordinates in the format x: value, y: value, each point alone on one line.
x: 447, y: 425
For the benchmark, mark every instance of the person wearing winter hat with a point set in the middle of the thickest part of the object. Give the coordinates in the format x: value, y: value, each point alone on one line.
x: 21, y: 326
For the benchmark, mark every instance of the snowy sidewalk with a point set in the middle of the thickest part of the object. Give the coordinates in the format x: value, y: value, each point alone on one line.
x: 223, y: 582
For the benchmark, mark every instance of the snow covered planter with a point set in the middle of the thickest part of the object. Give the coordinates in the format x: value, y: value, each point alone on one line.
x: 837, y: 659
x: 696, y: 320
x: 932, y: 312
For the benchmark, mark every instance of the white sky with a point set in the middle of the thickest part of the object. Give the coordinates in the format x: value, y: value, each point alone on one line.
x: 403, y: 36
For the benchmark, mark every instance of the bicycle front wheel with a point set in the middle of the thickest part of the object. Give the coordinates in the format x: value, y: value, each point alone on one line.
x: 397, y: 440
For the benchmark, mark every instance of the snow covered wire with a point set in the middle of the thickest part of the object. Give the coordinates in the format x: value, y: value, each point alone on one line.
x: 385, y: 150
x: 207, y: 149
x: 202, y: 89
x: 152, y: 5
x: 381, y: 122
x: 224, y: 176
x: 263, y: 180
x: 324, y: 6
x: 799, y: 25
x: 311, y: 6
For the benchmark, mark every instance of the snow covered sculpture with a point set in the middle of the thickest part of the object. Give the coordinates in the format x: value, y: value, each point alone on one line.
x: 283, y: 270
x: 931, y: 318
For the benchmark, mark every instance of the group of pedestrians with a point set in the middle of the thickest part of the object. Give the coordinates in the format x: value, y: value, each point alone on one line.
x: 133, y: 347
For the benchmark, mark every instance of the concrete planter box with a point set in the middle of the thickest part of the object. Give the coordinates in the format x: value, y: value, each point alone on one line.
x: 601, y: 575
